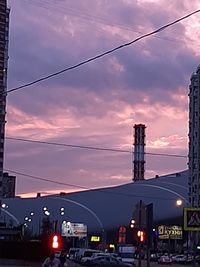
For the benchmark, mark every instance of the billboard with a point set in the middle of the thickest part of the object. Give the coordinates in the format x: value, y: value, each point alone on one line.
x: 70, y: 229
x: 170, y: 232
x: 192, y: 219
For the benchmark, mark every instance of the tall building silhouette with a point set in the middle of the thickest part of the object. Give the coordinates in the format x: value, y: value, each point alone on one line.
x: 4, y: 32
x: 194, y: 139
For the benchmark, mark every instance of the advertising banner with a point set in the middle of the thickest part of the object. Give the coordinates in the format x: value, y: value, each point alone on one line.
x: 70, y: 229
x: 170, y: 232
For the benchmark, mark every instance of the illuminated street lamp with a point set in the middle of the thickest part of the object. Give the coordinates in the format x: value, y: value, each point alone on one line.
x: 62, y: 211
x: 132, y: 225
x: 47, y: 213
x: 4, y: 206
x: 179, y: 202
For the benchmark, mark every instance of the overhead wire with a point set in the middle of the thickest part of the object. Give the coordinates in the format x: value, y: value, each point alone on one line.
x: 78, y: 65
x: 92, y: 147
x: 86, y: 16
x: 101, y: 190
x: 101, y: 54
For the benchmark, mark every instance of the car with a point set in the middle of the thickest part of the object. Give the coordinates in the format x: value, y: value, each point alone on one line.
x: 86, y: 259
x: 85, y: 253
x: 155, y: 256
x: 72, y: 252
x: 197, y: 259
x: 179, y: 259
x: 165, y: 259
x: 107, y: 261
x: 115, y: 255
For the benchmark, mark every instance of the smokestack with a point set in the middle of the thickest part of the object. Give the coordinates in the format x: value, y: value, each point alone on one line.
x: 139, y: 150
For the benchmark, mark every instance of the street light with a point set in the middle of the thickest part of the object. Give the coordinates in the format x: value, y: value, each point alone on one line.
x: 47, y: 213
x: 4, y: 206
x: 91, y: 212
x: 179, y: 202
x: 132, y: 225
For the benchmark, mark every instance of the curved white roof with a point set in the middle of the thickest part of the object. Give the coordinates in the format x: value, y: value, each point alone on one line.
x: 108, y: 207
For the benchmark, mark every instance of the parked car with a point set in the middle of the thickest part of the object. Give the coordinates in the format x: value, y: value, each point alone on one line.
x: 165, y: 260
x: 107, y: 261
x: 85, y: 253
x: 92, y: 256
x: 85, y: 260
x: 115, y: 255
x: 155, y: 256
x: 179, y: 259
x: 175, y: 258
x: 197, y: 259
x: 72, y: 253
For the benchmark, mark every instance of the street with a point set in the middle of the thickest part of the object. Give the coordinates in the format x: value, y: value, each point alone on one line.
x: 8, y: 263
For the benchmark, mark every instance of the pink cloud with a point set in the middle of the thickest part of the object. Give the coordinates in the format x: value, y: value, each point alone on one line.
x: 98, y: 104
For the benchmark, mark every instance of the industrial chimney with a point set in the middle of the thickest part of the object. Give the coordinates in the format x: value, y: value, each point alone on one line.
x: 138, y: 154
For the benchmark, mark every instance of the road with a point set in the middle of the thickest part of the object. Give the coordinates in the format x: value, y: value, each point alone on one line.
x: 7, y: 263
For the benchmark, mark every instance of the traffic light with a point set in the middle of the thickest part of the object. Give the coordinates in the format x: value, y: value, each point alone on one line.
x: 56, y: 242
x: 141, y: 236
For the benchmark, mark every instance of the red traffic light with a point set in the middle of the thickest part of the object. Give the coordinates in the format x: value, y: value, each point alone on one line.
x: 56, y: 242
x: 141, y: 235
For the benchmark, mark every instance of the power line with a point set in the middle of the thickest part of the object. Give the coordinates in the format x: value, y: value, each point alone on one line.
x: 83, y: 187
x: 86, y: 16
x: 92, y: 147
x: 102, y: 54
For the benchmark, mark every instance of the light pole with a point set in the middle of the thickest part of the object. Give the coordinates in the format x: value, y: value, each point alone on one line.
x: 103, y: 233
x: 3, y: 208
x: 56, y: 221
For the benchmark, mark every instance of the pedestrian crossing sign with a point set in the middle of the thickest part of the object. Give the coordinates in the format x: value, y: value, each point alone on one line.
x: 192, y: 219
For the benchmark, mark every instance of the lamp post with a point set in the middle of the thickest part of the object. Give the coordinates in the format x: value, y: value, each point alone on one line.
x: 56, y: 221
x: 132, y: 223
x: 103, y: 233
x: 3, y: 208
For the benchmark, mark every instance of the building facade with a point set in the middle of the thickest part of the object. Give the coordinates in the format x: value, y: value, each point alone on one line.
x: 4, y: 31
x: 194, y: 139
x: 8, y: 185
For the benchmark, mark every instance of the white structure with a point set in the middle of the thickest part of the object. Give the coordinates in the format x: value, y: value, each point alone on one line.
x: 194, y: 139
x: 105, y: 208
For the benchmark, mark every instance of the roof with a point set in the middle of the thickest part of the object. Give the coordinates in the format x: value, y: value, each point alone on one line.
x: 108, y: 207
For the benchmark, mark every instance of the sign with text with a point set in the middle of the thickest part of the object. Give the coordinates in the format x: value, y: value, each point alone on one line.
x: 192, y: 219
x: 70, y: 229
x: 95, y: 238
x: 170, y: 232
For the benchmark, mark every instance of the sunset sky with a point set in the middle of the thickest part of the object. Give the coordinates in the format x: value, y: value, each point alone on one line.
x: 97, y: 104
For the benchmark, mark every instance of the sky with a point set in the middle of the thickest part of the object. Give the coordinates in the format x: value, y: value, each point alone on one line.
x: 97, y: 104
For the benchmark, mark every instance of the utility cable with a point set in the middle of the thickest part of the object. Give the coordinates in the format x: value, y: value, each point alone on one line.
x: 86, y: 16
x: 102, y: 54
x: 92, y: 147
x: 104, y: 190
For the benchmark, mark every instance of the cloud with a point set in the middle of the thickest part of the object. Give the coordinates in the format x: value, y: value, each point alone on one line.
x: 97, y: 104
